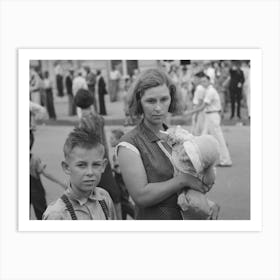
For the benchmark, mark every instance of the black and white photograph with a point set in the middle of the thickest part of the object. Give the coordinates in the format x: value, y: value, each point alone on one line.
x: 140, y: 139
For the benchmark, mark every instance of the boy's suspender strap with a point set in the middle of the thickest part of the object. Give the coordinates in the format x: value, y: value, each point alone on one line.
x: 104, y: 208
x: 69, y: 206
x: 71, y: 210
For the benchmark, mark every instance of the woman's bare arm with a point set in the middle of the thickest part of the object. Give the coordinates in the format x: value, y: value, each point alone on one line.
x: 147, y: 194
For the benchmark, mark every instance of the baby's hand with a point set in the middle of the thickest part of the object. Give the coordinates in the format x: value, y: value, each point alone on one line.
x: 169, y: 136
x: 209, y: 176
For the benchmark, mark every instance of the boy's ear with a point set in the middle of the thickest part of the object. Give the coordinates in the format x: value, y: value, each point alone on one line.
x: 65, y: 167
x: 105, y: 162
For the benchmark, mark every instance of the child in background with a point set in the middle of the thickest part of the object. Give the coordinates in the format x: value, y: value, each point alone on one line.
x: 127, y: 207
x: 37, y: 191
x: 84, y: 163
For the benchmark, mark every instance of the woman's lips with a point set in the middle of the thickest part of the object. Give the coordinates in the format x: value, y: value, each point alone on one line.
x: 89, y: 181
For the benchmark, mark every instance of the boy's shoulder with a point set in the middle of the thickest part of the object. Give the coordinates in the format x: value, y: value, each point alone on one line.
x: 56, y: 210
x: 102, y: 194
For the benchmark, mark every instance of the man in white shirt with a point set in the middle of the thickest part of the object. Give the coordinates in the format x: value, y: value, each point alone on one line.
x: 212, y: 106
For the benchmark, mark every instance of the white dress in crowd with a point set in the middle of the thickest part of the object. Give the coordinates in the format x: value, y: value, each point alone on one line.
x: 212, y: 123
x: 198, y: 119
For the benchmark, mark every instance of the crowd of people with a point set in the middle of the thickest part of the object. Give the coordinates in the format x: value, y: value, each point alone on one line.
x: 112, y: 188
x: 231, y: 79
x: 67, y: 82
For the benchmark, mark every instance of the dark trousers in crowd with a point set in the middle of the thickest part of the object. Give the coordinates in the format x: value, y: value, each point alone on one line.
x: 72, y: 110
x: 42, y: 97
x: 49, y: 103
x: 59, y: 85
x: 102, y: 106
x: 235, y: 97
x: 37, y: 197
x: 91, y: 89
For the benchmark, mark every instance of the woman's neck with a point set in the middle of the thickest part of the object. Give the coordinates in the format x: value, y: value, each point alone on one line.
x: 153, y: 127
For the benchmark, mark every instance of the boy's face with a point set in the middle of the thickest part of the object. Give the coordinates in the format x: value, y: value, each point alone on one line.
x: 85, y: 166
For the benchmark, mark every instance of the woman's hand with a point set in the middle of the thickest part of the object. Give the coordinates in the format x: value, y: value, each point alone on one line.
x: 209, y: 177
x: 188, y: 180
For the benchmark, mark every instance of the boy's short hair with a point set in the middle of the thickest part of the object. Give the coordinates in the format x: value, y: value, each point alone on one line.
x: 199, y: 74
x: 149, y: 79
x: 83, y: 99
x: 203, y: 75
x: 82, y: 138
x: 118, y: 133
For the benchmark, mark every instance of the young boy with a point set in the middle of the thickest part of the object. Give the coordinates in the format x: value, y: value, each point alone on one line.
x: 95, y: 123
x: 84, y: 163
x: 37, y: 191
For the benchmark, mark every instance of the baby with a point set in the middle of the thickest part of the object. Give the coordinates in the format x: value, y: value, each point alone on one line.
x: 197, y: 156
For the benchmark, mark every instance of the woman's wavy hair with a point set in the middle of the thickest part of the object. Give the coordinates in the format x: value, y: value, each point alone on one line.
x: 148, y: 79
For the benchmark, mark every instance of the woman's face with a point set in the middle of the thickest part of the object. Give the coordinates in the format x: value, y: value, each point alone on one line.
x: 155, y: 104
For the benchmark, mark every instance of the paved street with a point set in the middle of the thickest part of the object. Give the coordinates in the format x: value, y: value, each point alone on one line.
x: 232, y: 188
x: 115, y: 114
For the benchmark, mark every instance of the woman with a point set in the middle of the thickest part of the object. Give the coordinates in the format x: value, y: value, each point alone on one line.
x: 147, y: 172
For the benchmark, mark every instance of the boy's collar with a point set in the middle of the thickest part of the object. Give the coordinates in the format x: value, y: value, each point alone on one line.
x: 80, y: 199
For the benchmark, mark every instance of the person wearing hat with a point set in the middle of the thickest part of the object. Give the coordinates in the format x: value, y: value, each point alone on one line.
x: 197, y: 156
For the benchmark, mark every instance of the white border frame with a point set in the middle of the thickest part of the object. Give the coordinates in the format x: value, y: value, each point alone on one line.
x: 254, y: 55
